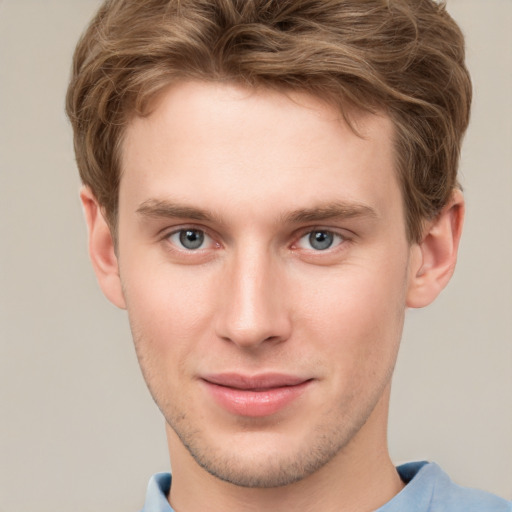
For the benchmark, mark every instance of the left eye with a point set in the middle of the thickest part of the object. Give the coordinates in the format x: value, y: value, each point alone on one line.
x: 190, y: 239
x: 320, y: 240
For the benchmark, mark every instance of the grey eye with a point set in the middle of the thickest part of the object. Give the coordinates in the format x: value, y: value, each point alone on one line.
x: 321, y: 240
x: 189, y: 238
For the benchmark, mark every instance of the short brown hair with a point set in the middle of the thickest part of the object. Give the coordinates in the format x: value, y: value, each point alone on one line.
x: 405, y: 57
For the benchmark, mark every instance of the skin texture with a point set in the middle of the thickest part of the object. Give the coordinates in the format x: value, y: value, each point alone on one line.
x: 255, y: 173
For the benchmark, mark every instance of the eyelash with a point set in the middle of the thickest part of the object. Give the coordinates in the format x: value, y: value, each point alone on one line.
x: 168, y: 238
x: 330, y: 233
x: 177, y: 246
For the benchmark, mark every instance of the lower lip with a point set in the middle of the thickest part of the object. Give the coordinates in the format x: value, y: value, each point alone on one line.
x: 255, y: 404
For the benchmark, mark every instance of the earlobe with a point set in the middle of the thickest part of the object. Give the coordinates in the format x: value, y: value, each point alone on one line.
x: 433, y: 260
x: 102, y: 250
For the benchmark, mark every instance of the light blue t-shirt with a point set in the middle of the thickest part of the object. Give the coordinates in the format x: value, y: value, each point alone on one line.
x: 428, y: 489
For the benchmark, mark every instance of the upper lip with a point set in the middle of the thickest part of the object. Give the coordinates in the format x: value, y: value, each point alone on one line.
x: 254, y: 382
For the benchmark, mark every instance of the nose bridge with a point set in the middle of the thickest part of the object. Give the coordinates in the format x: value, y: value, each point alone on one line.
x: 252, y: 311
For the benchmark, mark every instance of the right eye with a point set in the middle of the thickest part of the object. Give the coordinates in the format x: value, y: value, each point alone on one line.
x: 190, y: 239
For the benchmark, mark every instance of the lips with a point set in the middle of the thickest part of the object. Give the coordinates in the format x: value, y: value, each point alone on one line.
x: 254, y: 396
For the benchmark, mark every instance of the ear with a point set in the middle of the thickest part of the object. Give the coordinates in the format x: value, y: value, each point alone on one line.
x: 101, y: 249
x: 433, y: 260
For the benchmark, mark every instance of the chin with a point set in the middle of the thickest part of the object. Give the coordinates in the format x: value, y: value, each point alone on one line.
x: 266, y: 459
x: 262, y: 470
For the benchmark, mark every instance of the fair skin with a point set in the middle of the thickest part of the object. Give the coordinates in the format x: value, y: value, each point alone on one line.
x: 263, y: 260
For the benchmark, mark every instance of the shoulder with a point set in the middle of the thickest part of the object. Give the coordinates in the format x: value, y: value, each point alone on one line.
x: 428, y: 483
x: 452, y: 497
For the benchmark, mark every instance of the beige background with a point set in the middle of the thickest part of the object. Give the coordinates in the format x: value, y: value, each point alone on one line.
x: 78, y: 430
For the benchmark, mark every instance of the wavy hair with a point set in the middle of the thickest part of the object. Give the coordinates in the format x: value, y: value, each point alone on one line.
x: 402, y: 57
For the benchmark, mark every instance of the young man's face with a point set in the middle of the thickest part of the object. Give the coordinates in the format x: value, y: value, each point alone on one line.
x: 265, y: 269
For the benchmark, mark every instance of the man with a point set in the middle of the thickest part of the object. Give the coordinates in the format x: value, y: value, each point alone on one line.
x: 268, y: 185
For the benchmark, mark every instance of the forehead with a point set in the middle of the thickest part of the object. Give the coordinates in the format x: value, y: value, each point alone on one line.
x: 221, y: 143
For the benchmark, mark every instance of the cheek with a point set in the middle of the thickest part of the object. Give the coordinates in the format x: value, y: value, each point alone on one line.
x: 169, y: 314
x: 357, y: 318
x: 165, y: 295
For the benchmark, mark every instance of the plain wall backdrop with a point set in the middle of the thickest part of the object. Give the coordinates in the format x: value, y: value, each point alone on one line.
x: 78, y: 429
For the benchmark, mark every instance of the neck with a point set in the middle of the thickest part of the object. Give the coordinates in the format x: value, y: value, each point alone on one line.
x: 360, y: 478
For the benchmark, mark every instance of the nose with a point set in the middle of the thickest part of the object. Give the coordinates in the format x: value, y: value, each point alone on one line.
x: 253, y: 308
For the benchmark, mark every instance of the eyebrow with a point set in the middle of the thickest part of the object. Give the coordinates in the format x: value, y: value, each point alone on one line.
x: 164, y: 209
x: 156, y: 208
x: 335, y: 210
